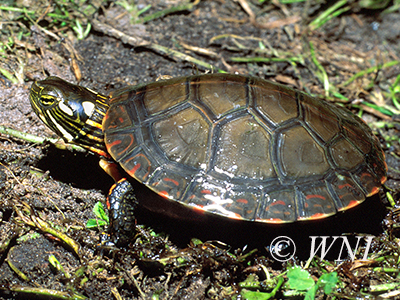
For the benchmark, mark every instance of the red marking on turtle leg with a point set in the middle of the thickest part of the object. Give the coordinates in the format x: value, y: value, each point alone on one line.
x: 111, y: 189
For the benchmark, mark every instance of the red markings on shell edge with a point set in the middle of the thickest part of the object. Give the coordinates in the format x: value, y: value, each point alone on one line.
x: 383, y: 179
x: 373, y: 191
x: 163, y: 194
x: 272, y: 220
x: 140, y: 164
x: 315, y: 196
x: 316, y: 216
x: 118, y: 147
x: 134, y: 169
x: 199, y: 209
x: 244, y: 201
x: 351, y: 204
x: 172, y: 180
x: 236, y: 216
x: 347, y: 185
x: 363, y: 175
x: 279, y: 202
x: 110, y: 145
x: 206, y: 192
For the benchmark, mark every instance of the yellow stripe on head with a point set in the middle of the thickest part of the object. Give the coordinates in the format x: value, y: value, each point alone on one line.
x: 73, y: 112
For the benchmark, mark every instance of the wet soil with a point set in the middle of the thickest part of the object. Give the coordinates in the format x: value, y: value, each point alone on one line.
x: 62, y: 186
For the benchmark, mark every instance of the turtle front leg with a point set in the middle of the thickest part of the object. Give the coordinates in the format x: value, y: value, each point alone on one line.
x: 121, y: 203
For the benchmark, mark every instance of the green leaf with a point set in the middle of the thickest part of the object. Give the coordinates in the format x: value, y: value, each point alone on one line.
x: 55, y: 263
x: 310, y: 295
x: 92, y: 223
x: 328, y: 281
x: 196, y: 242
x: 299, y: 279
x: 100, y: 213
x: 251, y: 295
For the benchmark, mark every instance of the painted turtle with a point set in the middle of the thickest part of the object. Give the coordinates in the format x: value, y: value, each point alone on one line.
x: 231, y: 145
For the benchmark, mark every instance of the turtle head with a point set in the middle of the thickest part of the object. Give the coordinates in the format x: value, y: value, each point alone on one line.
x: 73, y: 112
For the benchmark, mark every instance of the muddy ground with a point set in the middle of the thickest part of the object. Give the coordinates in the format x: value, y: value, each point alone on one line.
x: 62, y: 186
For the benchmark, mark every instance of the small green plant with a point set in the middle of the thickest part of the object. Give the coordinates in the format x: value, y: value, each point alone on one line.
x: 133, y: 10
x: 81, y: 33
x: 300, y: 280
x: 102, y: 218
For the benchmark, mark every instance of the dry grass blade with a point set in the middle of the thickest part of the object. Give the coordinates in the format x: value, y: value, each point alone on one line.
x: 29, y: 217
x: 269, y: 25
x: 111, y: 31
x: 202, y: 51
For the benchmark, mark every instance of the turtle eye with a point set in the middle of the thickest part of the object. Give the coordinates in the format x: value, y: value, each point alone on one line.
x: 48, y: 96
x: 47, y: 100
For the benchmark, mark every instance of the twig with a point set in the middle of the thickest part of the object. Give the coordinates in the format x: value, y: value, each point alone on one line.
x: 139, y: 42
x: 37, y: 139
